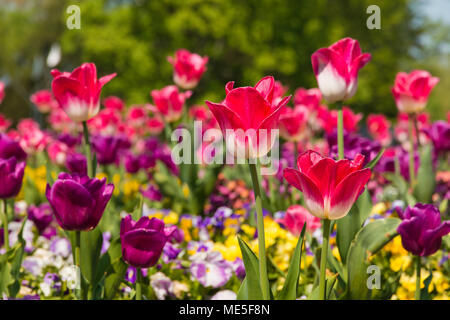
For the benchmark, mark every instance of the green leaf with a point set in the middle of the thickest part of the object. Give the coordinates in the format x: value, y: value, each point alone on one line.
x: 314, y: 295
x: 348, y: 227
x: 253, y: 287
x: 289, y: 291
x: 112, y: 268
x: 137, y: 213
x: 90, y: 248
x: 375, y: 160
x: 368, y: 241
x: 424, y: 294
x: 426, y: 181
x: 5, y: 275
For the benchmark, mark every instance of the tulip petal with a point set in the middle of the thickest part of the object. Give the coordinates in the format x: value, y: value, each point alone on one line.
x: 346, y: 193
x: 226, y: 117
x: 265, y: 87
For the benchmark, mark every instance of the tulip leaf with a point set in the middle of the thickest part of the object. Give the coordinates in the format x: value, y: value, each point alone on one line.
x: 252, y: 288
x: 426, y: 181
x: 424, y: 294
x: 369, y: 240
x: 329, y: 284
x: 375, y: 160
x: 290, y: 288
x: 90, y: 248
x: 348, y: 226
x: 113, y: 269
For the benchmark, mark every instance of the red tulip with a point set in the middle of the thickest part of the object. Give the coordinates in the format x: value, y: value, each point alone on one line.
x: 188, y: 68
x: 330, y: 187
x: 44, y: 101
x: 251, y: 111
x: 113, y: 102
x: 169, y: 102
x: 411, y: 91
x: 78, y: 93
x: 336, y: 69
x: 309, y: 98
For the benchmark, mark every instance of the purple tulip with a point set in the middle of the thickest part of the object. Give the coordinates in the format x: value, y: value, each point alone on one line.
x: 76, y: 163
x: 11, y: 176
x: 440, y: 135
x: 421, y: 229
x: 10, y: 148
x: 354, y: 144
x: 78, y: 201
x: 107, y: 148
x: 152, y: 193
x: 70, y: 140
x: 143, y: 241
x: 131, y: 162
x: 42, y: 216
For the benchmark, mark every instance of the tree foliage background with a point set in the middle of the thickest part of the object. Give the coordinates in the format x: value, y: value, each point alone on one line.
x: 245, y: 40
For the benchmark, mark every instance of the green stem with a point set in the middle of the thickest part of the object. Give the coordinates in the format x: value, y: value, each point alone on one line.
x: 77, y: 261
x: 417, y: 293
x: 416, y: 126
x: 263, y: 279
x: 412, y: 178
x: 138, y: 284
x: 5, y: 224
x: 323, y: 259
x: 87, y: 150
x: 340, y: 133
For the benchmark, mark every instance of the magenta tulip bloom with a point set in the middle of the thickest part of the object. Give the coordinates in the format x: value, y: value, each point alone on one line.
x: 11, y: 176
x: 41, y: 215
x: 10, y: 148
x: 293, y: 123
x: 44, y: 101
x: 170, y: 102
x: 249, y: 109
x: 188, y: 68
x: 421, y: 229
x: 336, y: 69
x: 143, y: 240
x: 77, y: 201
x: 330, y: 187
x: 411, y: 91
x: 78, y: 93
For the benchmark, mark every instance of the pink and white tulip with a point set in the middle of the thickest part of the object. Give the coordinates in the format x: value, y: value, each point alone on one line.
x: 330, y: 187
x: 336, y: 69
x: 188, y: 68
x: 169, y: 102
x: 411, y: 91
x: 296, y: 216
x: 78, y: 92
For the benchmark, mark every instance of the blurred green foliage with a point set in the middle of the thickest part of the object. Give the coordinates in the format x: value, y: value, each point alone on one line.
x: 245, y: 40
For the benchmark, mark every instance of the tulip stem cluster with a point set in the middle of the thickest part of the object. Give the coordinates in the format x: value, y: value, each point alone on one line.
x: 418, y: 267
x: 323, y: 259
x: 264, y: 281
x: 5, y: 224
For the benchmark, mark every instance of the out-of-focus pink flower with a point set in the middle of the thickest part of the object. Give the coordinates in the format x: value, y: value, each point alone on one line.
x: 293, y: 123
x: 113, y: 102
x: 203, y: 114
x: 57, y: 152
x: 249, y: 109
x: 78, y: 93
x: 278, y: 92
x: 32, y: 139
x: 155, y: 125
x: 336, y: 69
x: 329, y: 119
x: 188, y: 68
x: 44, y: 101
x: 411, y: 91
x: 2, y: 91
x: 60, y: 121
x: 309, y: 98
x: 330, y: 187
x: 136, y: 116
x: 107, y: 122
x: 296, y: 216
x: 4, y: 123
x: 170, y: 102
x: 379, y: 126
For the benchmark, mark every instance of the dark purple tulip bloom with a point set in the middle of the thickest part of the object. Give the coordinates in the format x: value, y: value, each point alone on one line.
x: 152, y: 193
x: 42, y: 216
x: 108, y: 148
x: 76, y: 163
x: 78, y: 201
x: 387, y: 162
x: 11, y: 176
x: 70, y: 140
x: 440, y: 135
x: 10, y: 148
x: 143, y: 241
x: 131, y: 162
x: 421, y: 229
